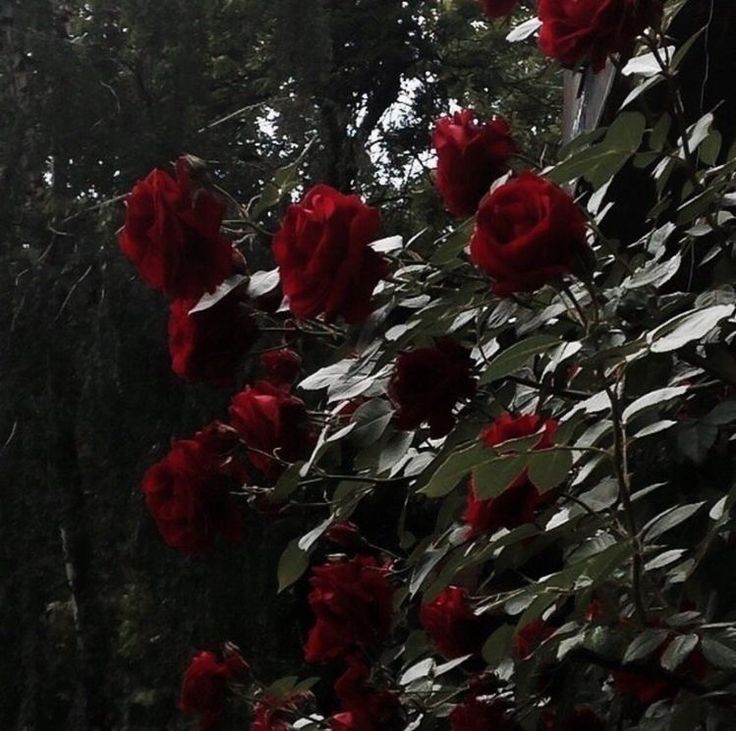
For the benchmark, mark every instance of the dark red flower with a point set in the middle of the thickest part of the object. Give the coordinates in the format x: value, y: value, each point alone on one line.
x: 470, y: 156
x: 498, y: 8
x: 345, y: 534
x: 581, y: 719
x: 351, y: 721
x: 281, y: 366
x: 427, y: 383
x: 205, y: 685
x: 277, y: 714
x: 482, y: 713
x: 576, y: 30
x: 209, y: 345
x: 362, y: 705
x: 271, y: 421
x: 521, y: 500
x: 352, y: 603
x: 172, y: 234
x: 188, y: 494
x: 452, y: 625
x: 528, y: 233
x: 530, y: 636
x: 324, y: 260
x: 218, y: 438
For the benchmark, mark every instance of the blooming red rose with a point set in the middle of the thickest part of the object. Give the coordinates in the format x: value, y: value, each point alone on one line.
x: 498, y: 8
x: 528, y: 232
x: 172, y: 234
x: 209, y: 345
x: 530, y: 636
x: 205, y: 685
x: 271, y: 421
x: 427, y: 383
x: 277, y: 714
x: 521, y: 501
x: 362, y: 706
x: 324, y: 260
x: 575, y: 30
x: 452, y: 625
x: 188, y: 494
x: 352, y: 602
x: 281, y: 366
x: 346, y: 534
x: 470, y: 156
x: 482, y: 713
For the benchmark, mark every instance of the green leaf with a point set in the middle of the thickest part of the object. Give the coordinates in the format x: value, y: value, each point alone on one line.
x: 517, y: 355
x: 653, y: 399
x: 549, y: 467
x: 645, y: 644
x: 493, y: 477
x: 718, y: 654
x: 678, y: 651
x: 451, y: 246
x: 497, y: 647
x: 287, y: 484
x: 371, y: 418
x: 292, y: 564
x: 669, y: 519
x: 453, y: 469
x: 686, y: 328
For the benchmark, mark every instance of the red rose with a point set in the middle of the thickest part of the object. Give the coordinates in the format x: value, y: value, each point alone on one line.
x: 205, y: 685
x: 362, y: 705
x: 352, y: 602
x: 188, y: 494
x: 521, y: 500
x: 172, y: 234
x: 208, y: 345
x: 346, y: 534
x: 452, y: 625
x: 581, y: 719
x: 427, y: 383
x: 218, y: 438
x: 498, y: 8
x: 271, y: 422
x: 574, y: 30
x: 481, y: 713
x: 324, y: 260
x: 528, y: 232
x: 470, y: 156
x: 281, y: 366
x: 530, y: 636
x: 350, y: 721
x: 277, y: 714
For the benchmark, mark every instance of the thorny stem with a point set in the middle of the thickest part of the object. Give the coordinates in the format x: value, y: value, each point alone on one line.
x: 621, y: 468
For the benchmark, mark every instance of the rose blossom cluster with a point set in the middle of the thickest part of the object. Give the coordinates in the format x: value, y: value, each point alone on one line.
x: 172, y: 236
x: 352, y: 601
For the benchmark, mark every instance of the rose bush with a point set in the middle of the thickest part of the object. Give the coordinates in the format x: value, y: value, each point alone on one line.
x: 537, y: 471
